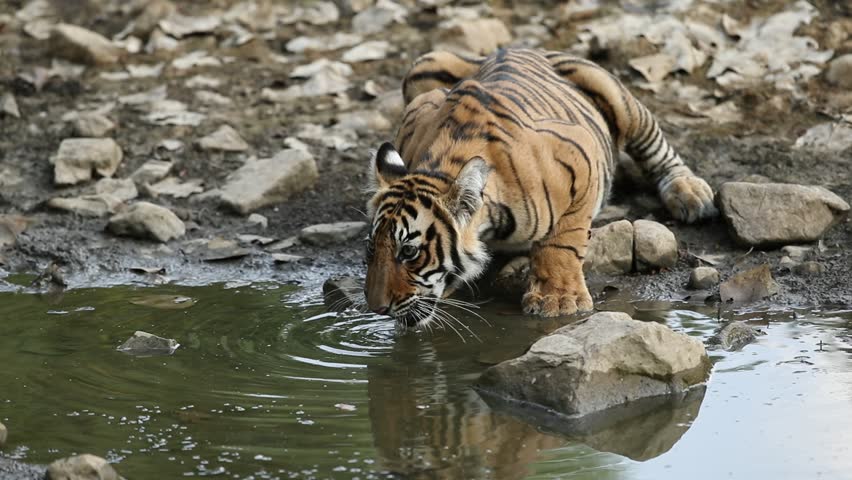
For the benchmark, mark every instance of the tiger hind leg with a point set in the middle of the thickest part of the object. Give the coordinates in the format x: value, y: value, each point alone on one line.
x: 687, y: 197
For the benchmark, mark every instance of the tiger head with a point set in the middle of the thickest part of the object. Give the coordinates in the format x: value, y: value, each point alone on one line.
x: 424, y: 240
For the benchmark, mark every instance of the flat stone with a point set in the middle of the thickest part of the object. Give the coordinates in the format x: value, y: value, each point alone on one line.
x: 654, y: 246
x: 151, y: 171
x: 330, y: 233
x: 283, y: 244
x: 363, y: 121
x: 122, y: 188
x: 77, y: 157
x: 796, y: 252
x: 224, y: 139
x: 180, y: 26
x: 474, y: 37
x: 81, y: 467
x: 286, y: 258
x: 341, y: 293
x: 143, y: 343
x: 9, y: 106
x: 259, y: 183
x: 610, y: 250
x: 827, y: 136
x: 604, y: 361
x: 92, y: 125
x: 749, y: 286
x: 99, y: 205
x: 146, y: 220
x: 734, y: 336
x: 80, y: 45
x: 773, y: 214
x: 173, y: 187
x: 372, y: 50
x: 840, y: 71
x: 703, y: 278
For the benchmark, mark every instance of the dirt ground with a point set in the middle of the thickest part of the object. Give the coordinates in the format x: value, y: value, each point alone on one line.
x: 760, y: 142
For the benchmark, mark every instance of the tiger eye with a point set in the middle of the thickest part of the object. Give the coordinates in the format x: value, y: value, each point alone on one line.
x: 409, y: 252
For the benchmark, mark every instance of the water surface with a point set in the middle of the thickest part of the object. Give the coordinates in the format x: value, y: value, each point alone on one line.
x: 268, y: 384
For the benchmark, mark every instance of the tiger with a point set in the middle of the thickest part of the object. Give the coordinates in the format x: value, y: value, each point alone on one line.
x: 514, y: 152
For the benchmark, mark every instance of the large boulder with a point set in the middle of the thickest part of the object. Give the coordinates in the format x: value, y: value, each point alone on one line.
x: 610, y: 250
x: 146, y: 220
x: 259, y: 183
x: 772, y: 214
x: 83, y: 46
x: 603, y: 361
x: 81, y: 467
x: 654, y: 246
x: 77, y: 157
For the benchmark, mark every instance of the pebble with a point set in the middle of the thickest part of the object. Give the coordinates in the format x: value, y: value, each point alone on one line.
x: 703, y: 278
x: 146, y: 220
x: 258, y: 219
x: 77, y: 157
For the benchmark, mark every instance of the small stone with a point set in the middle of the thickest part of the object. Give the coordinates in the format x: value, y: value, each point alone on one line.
x: 798, y: 213
x: 341, y: 293
x: 259, y: 183
x: 610, y: 250
x: 88, y: 205
x: 150, y: 16
x: 92, y: 125
x: 81, y: 467
x: 363, y: 121
x: 77, y: 157
x: 212, y: 98
x: 330, y: 233
x: 180, y: 26
x: 146, y: 220
x: 378, y: 17
x: 749, y: 286
x: 372, y: 50
x: 258, y: 219
x: 787, y: 263
x: 80, y: 45
x: 9, y: 106
x: 286, y: 258
x: 224, y: 139
x: 603, y: 361
x: 474, y: 37
x: 809, y: 268
x: 734, y: 336
x: 124, y: 189
x: 220, y: 249
x: 703, y: 278
x: 654, y: 245
x: 173, y: 187
x: 796, y: 252
x: 840, y: 71
x: 151, y: 172
x: 283, y: 244
x: 4, y: 434
x: 143, y: 343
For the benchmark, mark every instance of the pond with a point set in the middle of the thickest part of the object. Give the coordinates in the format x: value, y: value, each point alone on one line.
x: 268, y: 384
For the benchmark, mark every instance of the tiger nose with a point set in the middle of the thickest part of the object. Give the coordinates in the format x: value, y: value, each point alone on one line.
x: 383, y: 310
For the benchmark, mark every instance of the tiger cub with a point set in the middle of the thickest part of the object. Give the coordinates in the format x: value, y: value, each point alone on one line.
x: 513, y: 152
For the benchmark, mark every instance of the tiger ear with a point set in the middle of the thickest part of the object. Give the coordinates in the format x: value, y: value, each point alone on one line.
x: 387, y: 166
x: 465, y: 195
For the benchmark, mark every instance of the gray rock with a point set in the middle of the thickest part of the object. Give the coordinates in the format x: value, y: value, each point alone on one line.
x: 341, y: 293
x: 146, y: 220
x: 734, y: 336
x: 749, y: 286
x: 654, y: 245
x: 225, y: 139
x: 124, y: 189
x: 259, y: 183
x: 143, y: 343
x: 827, y: 136
x: 258, y: 219
x: 703, y: 278
x: 81, y: 467
x: 99, y: 205
x: 151, y: 171
x: 80, y: 45
x: 173, y: 187
x: 474, y: 37
x: 4, y: 434
x: 603, y: 361
x: 776, y: 214
x: 330, y: 233
x: 77, y: 157
x: 9, y: 106
x: 840, y: 71
x: 92, y: 125
x: 610, y: 249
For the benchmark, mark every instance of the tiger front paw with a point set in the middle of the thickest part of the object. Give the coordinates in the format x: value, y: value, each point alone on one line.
x: 555, y: 302
x: 689, y: 199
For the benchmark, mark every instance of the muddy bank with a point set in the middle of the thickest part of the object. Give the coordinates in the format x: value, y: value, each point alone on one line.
x: 726, y: 128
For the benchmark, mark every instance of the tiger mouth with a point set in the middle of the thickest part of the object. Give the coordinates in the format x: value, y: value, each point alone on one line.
x: 419, y: 313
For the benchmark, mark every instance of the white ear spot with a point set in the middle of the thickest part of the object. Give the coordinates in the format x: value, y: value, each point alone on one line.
x: 394, y: 159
